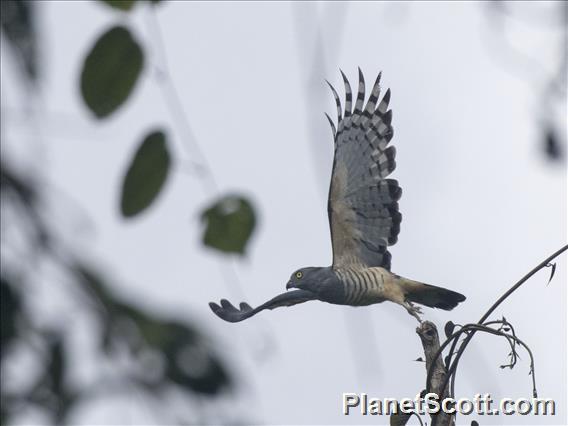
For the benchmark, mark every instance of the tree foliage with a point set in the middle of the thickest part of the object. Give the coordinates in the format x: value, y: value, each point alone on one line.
x: 166, y: 354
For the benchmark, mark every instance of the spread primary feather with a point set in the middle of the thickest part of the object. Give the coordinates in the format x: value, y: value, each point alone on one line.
x: 364, y: 220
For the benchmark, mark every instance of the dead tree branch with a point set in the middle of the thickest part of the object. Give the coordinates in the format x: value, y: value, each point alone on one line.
x: 470, y: 331
x: 431, y: 343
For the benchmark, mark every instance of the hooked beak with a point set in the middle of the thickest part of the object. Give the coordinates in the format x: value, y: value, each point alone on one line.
x: 290, y: 285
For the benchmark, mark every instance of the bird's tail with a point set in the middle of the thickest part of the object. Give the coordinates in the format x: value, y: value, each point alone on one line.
x: 430, y: 295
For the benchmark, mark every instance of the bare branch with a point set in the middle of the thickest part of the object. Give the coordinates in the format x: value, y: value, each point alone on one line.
x: 431, y: 343
x: 471, y: 330
x: 541, y: 265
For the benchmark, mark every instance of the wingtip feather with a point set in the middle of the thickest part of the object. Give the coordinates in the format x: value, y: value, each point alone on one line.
x: 333, y: 130
x: 245, y: 306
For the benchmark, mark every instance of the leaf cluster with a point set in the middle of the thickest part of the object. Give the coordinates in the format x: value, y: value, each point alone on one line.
x: 165, y: 354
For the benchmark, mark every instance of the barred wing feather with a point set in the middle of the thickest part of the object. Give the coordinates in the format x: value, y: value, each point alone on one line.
x: 230, y: 313
x: 363, y: 204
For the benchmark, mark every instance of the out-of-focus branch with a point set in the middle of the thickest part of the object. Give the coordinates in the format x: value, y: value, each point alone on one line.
x: 201, y: 165
x: 175, y: 106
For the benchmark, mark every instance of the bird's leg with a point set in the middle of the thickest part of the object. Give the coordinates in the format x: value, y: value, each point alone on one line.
x: 413, y: 310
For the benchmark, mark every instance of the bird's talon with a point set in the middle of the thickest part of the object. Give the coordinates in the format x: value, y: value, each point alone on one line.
x: 414, y: 310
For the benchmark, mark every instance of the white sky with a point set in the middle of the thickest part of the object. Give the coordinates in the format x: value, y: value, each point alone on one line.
x: 480, y: 204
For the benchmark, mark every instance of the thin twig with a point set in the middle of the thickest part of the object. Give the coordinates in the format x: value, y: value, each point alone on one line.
x: 202, y: 166
x: 512, y: 339
x: 175, y: 106
x: 453, y: 366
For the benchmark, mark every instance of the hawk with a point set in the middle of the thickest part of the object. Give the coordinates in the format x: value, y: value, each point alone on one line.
x: 364, y: 221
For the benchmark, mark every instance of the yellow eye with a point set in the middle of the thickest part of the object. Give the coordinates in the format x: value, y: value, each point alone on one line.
x: 299, y: 274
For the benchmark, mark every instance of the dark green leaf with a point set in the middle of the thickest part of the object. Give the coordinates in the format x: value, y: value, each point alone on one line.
x: 146, y: 175
x: 110, y: 71
x: 474, y: 423
x: 120, y: 4
x: 18, y: 25
x: 230, y: 222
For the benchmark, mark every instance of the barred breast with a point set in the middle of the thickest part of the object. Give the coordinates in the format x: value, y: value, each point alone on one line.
x: 363, y: 286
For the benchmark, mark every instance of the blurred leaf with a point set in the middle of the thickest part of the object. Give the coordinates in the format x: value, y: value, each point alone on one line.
x: 551, y: 145
x: 196, y: 370
x: 95, y: 284
x: 4, y: 411
x: 118, y: 319
x: 10, y: 306
x: 124, y: 5
x: 449, y: 329
x: 162, y: 334
x: 188, y: 360
x: 474, y: 423
x: 56, y: 365
x: 18, y: 25
x: 146, y: 174
x: 190, y: 363
x: 110, y: 71
x: 10, y: 181
x: 51, y: 391
x: 230, y: 222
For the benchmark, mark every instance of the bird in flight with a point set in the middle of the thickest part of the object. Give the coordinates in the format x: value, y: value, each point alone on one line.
x: 363, y: 218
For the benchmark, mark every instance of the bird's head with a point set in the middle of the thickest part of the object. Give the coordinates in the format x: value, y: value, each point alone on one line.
x: 305, y: 278
x: 320, y: 281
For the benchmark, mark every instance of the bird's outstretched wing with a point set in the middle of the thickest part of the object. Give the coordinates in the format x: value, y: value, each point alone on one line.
x: 363, y: 204
x: 230, y: 313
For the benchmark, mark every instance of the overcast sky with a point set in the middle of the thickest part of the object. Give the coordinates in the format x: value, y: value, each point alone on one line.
x: 481, y: 205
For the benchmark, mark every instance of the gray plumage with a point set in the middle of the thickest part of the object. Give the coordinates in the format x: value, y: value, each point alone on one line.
x: 364, y: 220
